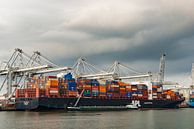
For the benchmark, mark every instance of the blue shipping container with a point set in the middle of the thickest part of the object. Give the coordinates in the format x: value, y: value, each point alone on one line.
x: 139, y: 92
x: 109, y: 95
x: 95, y: 84
x: 72, y: 88
x: 72, y: 84
x: 128, y: 94
x: 154, y: 89
x: 68, y: 76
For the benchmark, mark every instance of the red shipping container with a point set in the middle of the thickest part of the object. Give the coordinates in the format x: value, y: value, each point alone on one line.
x: 123, y: 94
x: 115, y: 95
x: 95, y: 87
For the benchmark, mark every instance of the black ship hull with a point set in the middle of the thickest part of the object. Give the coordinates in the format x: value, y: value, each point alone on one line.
x: 64, y: 103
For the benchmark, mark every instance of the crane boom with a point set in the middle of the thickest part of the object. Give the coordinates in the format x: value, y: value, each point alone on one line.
x: 133, y: 77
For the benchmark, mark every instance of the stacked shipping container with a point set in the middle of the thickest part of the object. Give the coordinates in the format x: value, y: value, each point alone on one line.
x: 52, y: 86
x: 157, y: 90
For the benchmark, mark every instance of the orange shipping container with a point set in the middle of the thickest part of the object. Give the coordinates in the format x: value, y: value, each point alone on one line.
x: 123, y: 84
x: 122, y: 89
x: 128, y: 88
x: 52, y: 83
x: 155, y: 87
x: 87, y: 86
x: 72, y: 93
x: 102, y: 89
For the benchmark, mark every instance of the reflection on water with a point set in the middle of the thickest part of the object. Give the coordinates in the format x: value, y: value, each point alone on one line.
x: 148, y: 119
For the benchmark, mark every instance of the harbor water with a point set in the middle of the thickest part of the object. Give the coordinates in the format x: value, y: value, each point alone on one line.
x: 136, y: 119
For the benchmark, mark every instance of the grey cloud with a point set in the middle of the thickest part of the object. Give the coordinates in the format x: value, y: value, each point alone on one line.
x: 134, y: 32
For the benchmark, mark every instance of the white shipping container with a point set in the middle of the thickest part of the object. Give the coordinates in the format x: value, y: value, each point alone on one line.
x: 154, y: 93
x: 168, y: 97
x: 129, y: 87
x: 54, y: 91
x: 155, y: 97
x: 114, y: 85
x: 159, y: 89
x: 140, y: 95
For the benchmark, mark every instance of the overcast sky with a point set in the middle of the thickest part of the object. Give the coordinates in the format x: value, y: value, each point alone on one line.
x: 135, y: 32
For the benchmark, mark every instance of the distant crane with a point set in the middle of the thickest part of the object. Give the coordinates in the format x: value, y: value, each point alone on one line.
x: 162, y: 68
x: 192, y: 75
x: 162, y: 72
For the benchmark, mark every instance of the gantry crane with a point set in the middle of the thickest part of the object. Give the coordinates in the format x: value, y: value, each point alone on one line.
x: 123, y: 71
x: 83, y: 69
x: 21, y: 66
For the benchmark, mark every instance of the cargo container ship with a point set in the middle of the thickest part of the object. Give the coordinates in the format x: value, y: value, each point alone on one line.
x: 50, y: 92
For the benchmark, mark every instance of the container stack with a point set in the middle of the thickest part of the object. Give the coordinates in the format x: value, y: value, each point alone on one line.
x: 20, y: 93
x: 71, y: 85
x: 157, y: 90
x: 84, y: 84
x: 169, y: 94
x: 142, y: 91
x: 37, y: 82
x: 122, y: 87
x: 62, y: 87
x: 102, y: 90
x: 52, y: 89
x: 95, y: 88
x: 113, y: 89
x: 30, y: 93
x: 87, y: 90
x: 40, y: 92
x: 72, y: 88
x: 128, y: 91
x: 134, y: 91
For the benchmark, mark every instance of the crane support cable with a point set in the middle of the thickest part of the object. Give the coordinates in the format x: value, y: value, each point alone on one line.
x: 31, y: 59
x: 94, y: 67
x: 3, y: 82
x: 48, y: 60
x: 10, y: 60
x: 130, y: 69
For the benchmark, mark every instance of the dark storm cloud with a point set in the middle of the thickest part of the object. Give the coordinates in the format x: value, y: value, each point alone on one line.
x: 134, y: 32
